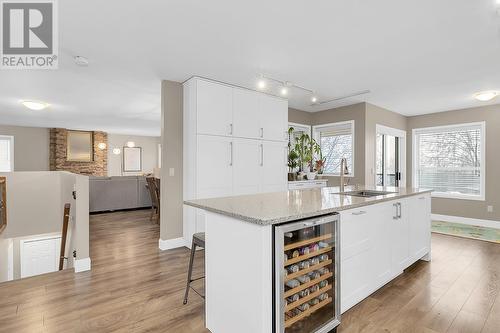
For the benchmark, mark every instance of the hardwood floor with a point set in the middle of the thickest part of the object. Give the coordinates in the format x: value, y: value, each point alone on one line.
x: 134, y: 287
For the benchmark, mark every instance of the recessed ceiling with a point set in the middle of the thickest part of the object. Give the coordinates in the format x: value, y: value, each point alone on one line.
x: 415, y: 57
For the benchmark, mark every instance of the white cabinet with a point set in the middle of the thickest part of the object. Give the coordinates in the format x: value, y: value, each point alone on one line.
x: 247, y: 166
x: 274, y: 118
x: 246, y: 120
x: 214, y: 173
x: 419, y: 213
x: 214, y: 106
x: 378, y: 242
x: 274, y: 168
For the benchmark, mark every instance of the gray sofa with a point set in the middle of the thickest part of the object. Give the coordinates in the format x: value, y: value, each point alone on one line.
x: 116, y: 193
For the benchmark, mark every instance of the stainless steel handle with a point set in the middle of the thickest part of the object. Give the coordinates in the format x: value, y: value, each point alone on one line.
x: 261, y: 155
x: 230, y: 154
x: 309, y: 224
x: 262, y: 132
x: 399, y: 207
x: 395, y: 217
x: 421, y: 198
x: 230, y: 129
x: 361, y: 212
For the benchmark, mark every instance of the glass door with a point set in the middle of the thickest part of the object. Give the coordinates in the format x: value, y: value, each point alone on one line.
x: 388, y: 160
x: 307, y: 271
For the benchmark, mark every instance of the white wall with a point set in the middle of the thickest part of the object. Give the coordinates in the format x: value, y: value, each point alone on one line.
x: 31, y: 147
x: 149, y: 145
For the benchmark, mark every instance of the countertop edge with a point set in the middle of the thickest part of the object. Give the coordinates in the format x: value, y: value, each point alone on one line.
x: 389, y: 197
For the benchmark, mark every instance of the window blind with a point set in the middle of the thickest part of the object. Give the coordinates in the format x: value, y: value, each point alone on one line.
x: 5, y: 154
x: 449, y: 160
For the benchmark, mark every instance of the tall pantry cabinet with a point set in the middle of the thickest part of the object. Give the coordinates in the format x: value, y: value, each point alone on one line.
x: 235, y: 143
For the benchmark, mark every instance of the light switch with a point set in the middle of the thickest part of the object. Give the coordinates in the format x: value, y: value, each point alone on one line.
x: 490, y: 209
x: 171, y: 172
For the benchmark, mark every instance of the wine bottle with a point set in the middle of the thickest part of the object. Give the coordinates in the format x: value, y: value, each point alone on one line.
x: 304, y: 264
x: 303, y: 279
x: 293, y: 269
x: 292, y: 283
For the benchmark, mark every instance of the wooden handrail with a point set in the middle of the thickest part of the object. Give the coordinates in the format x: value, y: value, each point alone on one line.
x: 67, y: 208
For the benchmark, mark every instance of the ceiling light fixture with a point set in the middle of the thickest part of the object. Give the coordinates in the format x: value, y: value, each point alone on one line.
x: 116, y: 151
x: 101, y: 146
x: 314, y: 99
x: 81, y: 61
x: 485, y: 96
x: 35, y: 105
x: 130, y: 144
x: 284, y: 91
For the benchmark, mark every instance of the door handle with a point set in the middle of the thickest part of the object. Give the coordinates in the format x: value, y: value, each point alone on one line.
x: 230, y: 154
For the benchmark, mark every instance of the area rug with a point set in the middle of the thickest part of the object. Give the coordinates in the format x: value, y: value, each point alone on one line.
x: 466, y: 231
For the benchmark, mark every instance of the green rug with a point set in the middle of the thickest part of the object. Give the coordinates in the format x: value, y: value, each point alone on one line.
x: 466, y: 231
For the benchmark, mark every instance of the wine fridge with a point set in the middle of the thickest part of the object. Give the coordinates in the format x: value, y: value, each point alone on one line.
x: 306, y: 275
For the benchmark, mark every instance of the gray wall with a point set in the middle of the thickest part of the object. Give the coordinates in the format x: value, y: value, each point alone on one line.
x: 171, y: 140
x: 149, y: 145
x: 299, y: 117
x: 31, y: 147
x: 467, y: 208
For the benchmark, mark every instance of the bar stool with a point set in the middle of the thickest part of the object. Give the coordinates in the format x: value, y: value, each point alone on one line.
x: 198, y: 240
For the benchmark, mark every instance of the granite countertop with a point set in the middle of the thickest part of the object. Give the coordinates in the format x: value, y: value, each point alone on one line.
x: 279, y: 207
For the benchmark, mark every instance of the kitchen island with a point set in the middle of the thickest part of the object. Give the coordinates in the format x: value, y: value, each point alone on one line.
x: 376, y: 239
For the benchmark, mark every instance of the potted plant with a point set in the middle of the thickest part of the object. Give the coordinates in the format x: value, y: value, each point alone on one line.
x: 293, y: 163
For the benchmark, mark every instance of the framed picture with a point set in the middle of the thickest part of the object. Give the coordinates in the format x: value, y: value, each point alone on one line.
x: 3, y: 203
x: 132, y: 159
x: 80, y: 146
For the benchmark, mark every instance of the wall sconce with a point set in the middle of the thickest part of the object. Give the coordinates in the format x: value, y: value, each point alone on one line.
x: 101, y: 146
x: 116, y: 151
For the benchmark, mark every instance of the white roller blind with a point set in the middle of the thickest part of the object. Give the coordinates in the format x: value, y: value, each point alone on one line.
x: 337, y: 142
x: 450, y: 159
x: 5, y: 154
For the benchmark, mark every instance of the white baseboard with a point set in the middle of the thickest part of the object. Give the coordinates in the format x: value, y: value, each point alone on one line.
x: 466, y: 220
x: 169, y: 244
x: 81, y: 265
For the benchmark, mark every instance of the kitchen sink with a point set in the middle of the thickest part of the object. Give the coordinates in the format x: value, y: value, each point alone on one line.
x: 366, y: 193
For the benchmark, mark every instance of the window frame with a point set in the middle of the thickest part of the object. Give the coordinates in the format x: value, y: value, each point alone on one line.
x: 446, y: 195
x: 316, y: 129
x: 10, y: 138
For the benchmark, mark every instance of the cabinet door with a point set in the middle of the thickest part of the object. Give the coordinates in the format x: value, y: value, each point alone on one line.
x: 420, y: 226
x: 400, y: 237
x: 273, y: 165
x: 274, y: 118
x: 214, y: 108
x: 214, y: 169
x: 382, y: 253
x: 246, y: 122
x: 247, y: 166
x: 357, y: 243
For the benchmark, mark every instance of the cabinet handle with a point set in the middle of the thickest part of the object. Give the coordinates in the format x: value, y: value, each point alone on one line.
x: 421, y: 198
x: 361, y: 212
x: 395, y: 217
x: 230, y: 129
x: 262, y: 132
x: 230, y: 154
x: 399, y: 207
x: 261, y: 155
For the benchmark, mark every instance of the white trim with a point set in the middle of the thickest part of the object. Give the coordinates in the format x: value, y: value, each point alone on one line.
x: 482, y: 124
x: 303, y: 126
x: 11, y: 149
x: 353, y: 149
x: 168, y: 244
x: 467, y: 221
x: 82, y: 265
x: 381, y: 129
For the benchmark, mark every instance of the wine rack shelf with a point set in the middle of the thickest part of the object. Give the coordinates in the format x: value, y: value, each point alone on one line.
x: 311, y: 283
x: 307, y: 270
x: 307, y: 298
x: 304, y: 314
x: 295, y: 260
x: 307, y: 242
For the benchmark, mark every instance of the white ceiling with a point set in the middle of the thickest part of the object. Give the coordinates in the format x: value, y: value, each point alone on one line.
x: 415, y: 56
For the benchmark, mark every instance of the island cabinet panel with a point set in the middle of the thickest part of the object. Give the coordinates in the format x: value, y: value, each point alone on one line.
x: 420, y: 226
x: 378, y: 242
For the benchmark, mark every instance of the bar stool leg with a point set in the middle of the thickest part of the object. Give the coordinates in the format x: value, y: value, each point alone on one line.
x: 190, y: 272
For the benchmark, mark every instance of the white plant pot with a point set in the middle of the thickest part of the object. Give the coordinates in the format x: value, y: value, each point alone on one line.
x: 311, y: 175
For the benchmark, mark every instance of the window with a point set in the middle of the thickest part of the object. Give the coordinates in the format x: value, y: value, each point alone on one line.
x: 450, y: 160
x: 337, y: 142
x: 298, y: 130
x: 6, y: 153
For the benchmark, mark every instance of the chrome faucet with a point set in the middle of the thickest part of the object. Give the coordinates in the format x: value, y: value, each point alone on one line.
x: 343, y: 171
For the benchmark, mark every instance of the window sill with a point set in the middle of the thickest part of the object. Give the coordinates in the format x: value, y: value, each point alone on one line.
x: 458, y: 196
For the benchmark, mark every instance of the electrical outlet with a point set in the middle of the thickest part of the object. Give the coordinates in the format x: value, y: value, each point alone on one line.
x: 171, y: 172
x: 490, y: 209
